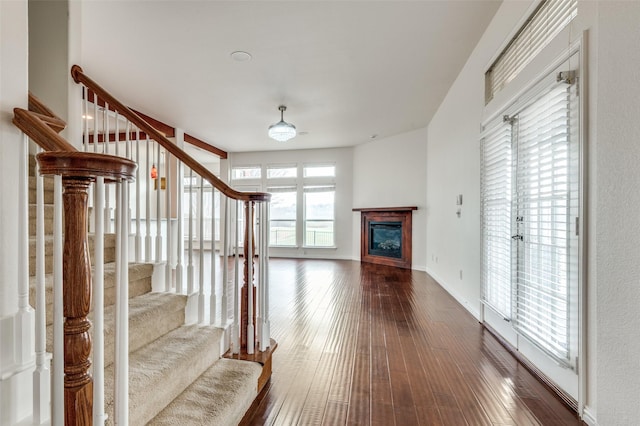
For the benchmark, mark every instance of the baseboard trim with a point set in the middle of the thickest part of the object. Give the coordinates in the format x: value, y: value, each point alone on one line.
x: 449, y: 289
x: 588, y: 417
x: 563, y: 396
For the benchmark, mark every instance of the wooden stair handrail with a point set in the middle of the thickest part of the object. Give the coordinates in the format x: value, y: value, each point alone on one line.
x: 79, y: 76
x: 36, y: 126
x: 47, y: 115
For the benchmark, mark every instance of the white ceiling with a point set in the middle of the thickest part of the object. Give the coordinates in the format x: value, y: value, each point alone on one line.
x: 346, y: 70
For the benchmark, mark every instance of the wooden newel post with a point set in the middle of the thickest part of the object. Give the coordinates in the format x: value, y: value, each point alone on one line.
x: 78, y: 383
x: 249, y: 209
x: 78, y: 171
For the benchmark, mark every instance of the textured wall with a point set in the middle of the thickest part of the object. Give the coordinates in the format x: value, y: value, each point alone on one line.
x: 618, y: 214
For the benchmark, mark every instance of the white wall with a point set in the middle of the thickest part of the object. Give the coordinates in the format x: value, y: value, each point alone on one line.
x: 48, y: 53
x: 618, y: 221
x: 343, y: 159
x: 391, y: 172
x: 453, y: 167
x: 15, y: 372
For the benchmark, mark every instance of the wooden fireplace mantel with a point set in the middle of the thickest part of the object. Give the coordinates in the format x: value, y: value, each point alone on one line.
x: 385, y: 209
x: 384, y: 215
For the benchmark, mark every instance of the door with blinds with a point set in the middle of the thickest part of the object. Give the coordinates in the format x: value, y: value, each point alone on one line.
x: 530, y: 221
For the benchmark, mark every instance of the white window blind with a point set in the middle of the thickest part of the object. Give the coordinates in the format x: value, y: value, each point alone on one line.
x: 546, y: 199
x: 545, y: 23
x: 496, y: 191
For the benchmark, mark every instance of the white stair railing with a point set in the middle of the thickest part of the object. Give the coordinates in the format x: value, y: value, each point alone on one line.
x: 160, y: 201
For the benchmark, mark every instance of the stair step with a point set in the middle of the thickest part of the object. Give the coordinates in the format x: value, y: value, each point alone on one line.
x: 48, y: 190
x: 139, y: 283
x: 221, y: 396
x: 163, y: 369
x: 151, y: 316
x: 48, y: 219
x: 109, y: 251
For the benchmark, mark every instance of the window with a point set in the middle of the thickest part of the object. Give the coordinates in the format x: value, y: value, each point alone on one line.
x: 282, y: 215
x: 530, y: 208
x: 319, y: 171
x: 302, y: 207
x: 544, y: 24
x: 282, y: 172
x: 319, y: 211
x: 209, y: 209
x: 254, y: 172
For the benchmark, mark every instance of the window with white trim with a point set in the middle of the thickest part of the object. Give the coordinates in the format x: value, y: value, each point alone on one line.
x: 546, y: 22
x: 302, y: 207
x: 319, y: 215
x: 282, y: 215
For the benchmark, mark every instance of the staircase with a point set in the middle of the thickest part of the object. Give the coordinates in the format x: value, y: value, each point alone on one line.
x: 161, y: 355
x: 176, y: 373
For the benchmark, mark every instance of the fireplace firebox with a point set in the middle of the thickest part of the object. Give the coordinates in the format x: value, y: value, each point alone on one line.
x: 385, y: 239
x: 386, y: 236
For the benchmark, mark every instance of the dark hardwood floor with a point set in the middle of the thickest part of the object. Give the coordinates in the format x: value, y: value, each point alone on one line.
x: 360, y: 344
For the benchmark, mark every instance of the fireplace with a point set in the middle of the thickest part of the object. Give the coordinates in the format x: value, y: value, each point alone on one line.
x: 385, y: 239
x: 385, y: 236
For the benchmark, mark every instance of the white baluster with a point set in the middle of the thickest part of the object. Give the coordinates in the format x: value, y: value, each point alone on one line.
x: 42, y: 373
x: 260, y: 226
x: 158, y: 187
x: 105, y: 150
x: 85, y: 118
x: 147, y: 240
x: 190, y: 276
x: 225, y: 261
x: 212, y: 297
x: 95, y: 123
x: 249, y: 242
x: 201, y: 239
x: 98, y: 306
x: 236, y: 284
x: 116, y: 135
x: 265, y: 342
x: 258, y: 279
x: 122, y: 308
x: 25, y: 318
x: 138, y: 200
x: 179, y: 135
x: 168, y: 268
x: 58, y: 332
x: 180, y: 219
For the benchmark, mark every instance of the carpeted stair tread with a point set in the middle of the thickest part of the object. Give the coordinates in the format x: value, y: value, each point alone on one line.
x: 48, y: 190
x: 221, y: 396
x: 139, y: 283
x: 109, y: 251
x: 151, y: 316
x: 163, y: 369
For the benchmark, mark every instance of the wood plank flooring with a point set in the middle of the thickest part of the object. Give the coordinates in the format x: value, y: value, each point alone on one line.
x: 362, y: 344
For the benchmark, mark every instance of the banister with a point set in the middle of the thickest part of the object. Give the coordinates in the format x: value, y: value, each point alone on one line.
x: 46, y: 114
x: 33, y: 125
x: 79, y: 76
x: 78, y: 171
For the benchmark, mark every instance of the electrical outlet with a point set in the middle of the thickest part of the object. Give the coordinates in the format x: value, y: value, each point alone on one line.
x: 460, y: 273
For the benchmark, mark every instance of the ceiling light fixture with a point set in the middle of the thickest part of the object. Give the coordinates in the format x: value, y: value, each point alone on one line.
x: 240, y: 56
x: 282, y: 131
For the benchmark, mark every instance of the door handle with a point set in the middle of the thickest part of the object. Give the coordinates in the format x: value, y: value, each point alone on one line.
x: 517, y: 237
